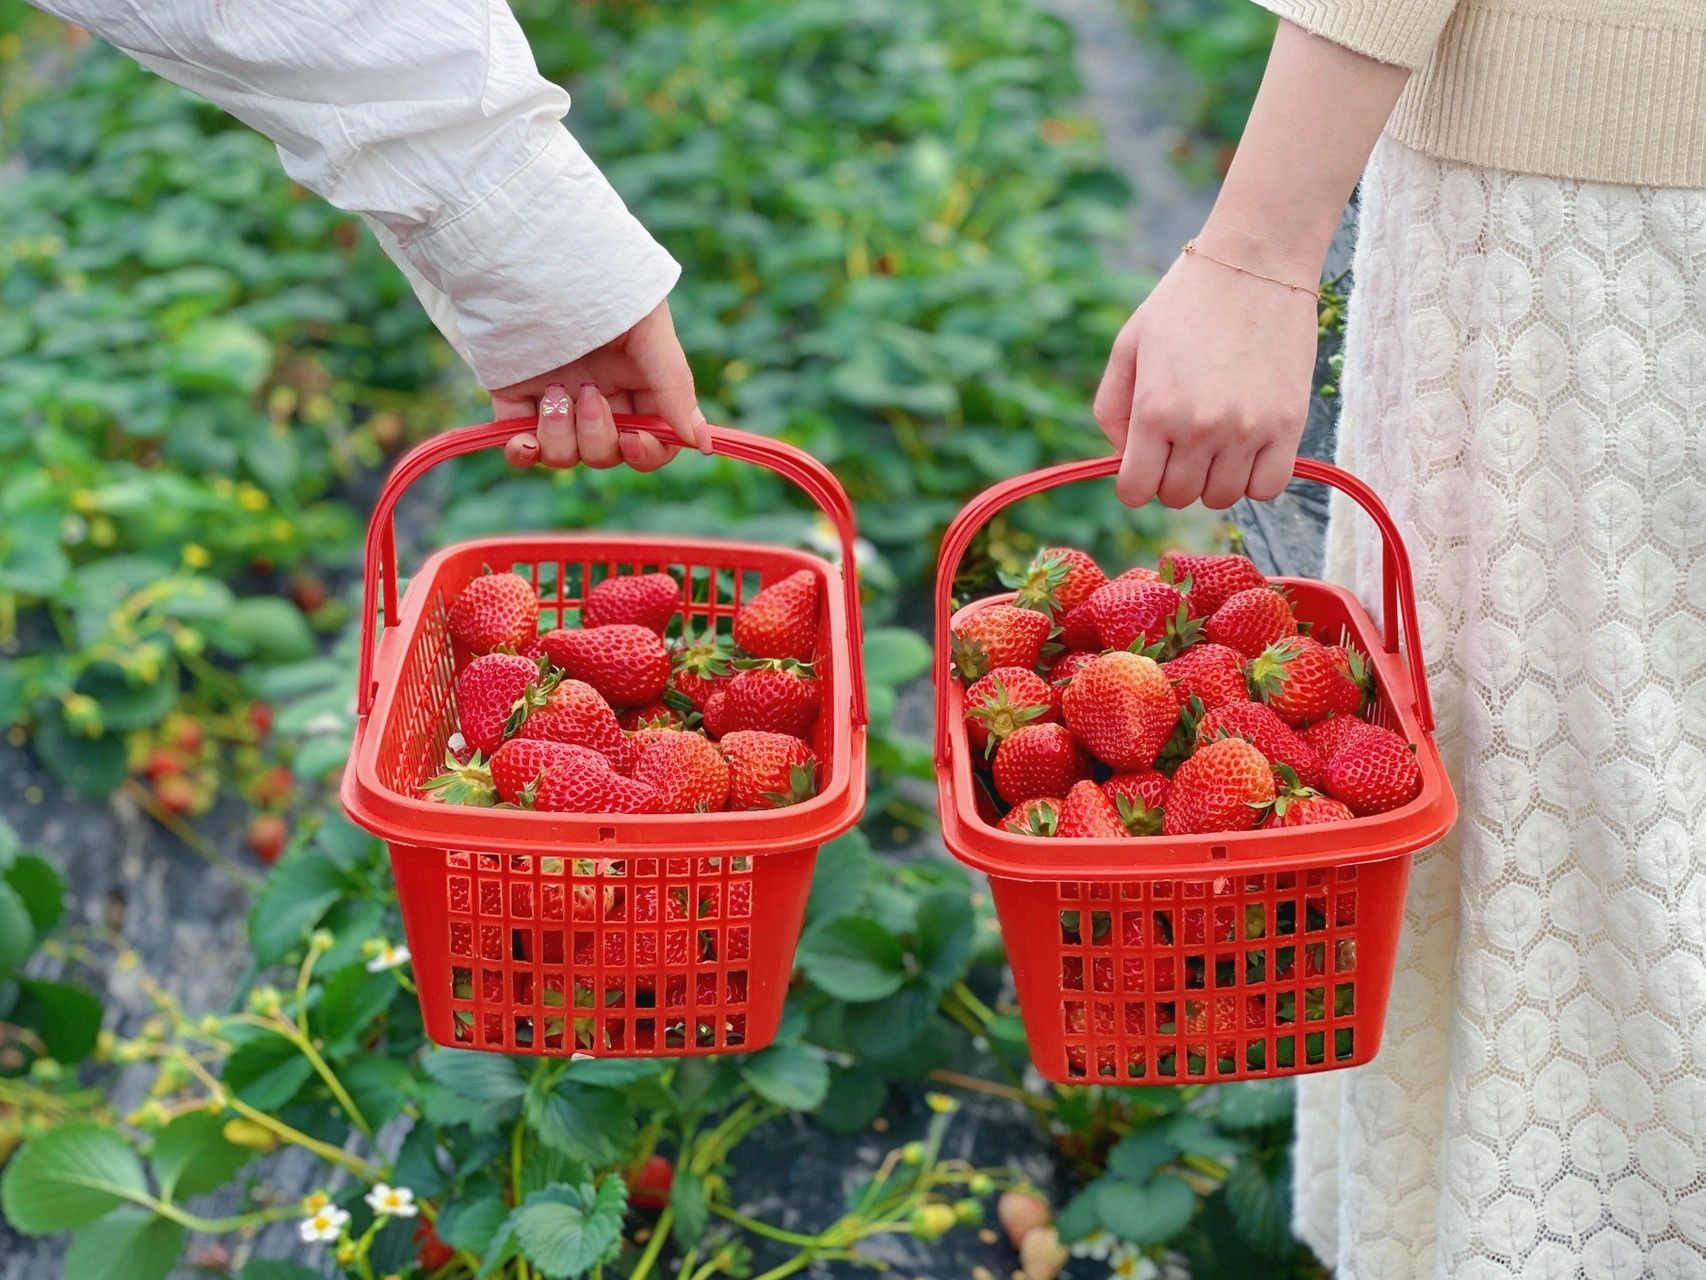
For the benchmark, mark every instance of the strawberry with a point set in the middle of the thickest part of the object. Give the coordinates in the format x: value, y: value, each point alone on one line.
x: 1038, y: 760
x: 1038, y: 816
x: 487, y: 692
x: 1353, y: 665
x: 715, y: 718
x: 689, y: 773
x: 779, y: 696
x: 267, y: 835
x: 1213, y: 579
x: 1298, y: 678
x: 555, y: 777
x: 1088, y: 814
x: 998, y: 635
x: 646, y: 600
x: 1304, y: 807
x: 768, y: 770
x: 627, y: 664
x: 1122, y: 708
x: 1067, y: 665
x: 649, y: 1185
x: 654, y: 715
x: 1224, y: 786
x: 697, y: 665
x: 1273, y: 737
x: 1078, y: 629
x: 1374, y: 770
x: 1251, y: 620
x: 1326, y: 735
x: 571, y: 711
x: 1005, y: 700
x: 1057, y: 580
x: 494, y: 611
x: 781, y: 620
x: 1139, y: 797
x: 1139, y: 574
x: 1133, y: 613
x: 1211, y: 673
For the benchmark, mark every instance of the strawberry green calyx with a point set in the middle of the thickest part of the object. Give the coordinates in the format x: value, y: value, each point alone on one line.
x: 535, y: 696
x: 805, y: 670
x: 1039, y: 586
x: 705, y: 656
x: 460, y: 783
x: 1140, y: 819
x: 1266, y: 673
x: 1180, y: 633
x: 1001, y: 718
x: 802, y: 785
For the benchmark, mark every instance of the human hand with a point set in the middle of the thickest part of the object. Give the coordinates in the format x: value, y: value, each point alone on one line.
x: 1207, y: 389
x: 643, y: 371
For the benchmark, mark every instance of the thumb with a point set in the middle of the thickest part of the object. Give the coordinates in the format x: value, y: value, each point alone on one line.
x: 656, y: 353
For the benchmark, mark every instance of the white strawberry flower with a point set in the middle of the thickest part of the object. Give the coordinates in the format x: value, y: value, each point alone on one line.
x: 386, y: 956
x: 396, y: 1202
x: 325, y: 1224
x: 1098, y: 1244
x: 1130, y: 1265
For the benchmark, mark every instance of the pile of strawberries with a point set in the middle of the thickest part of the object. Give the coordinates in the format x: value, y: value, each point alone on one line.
x: 1178, y: 700
x: 612, y: 717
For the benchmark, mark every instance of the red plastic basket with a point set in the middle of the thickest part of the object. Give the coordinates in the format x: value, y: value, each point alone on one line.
x: 1209, y: 957
x: 603, y: 935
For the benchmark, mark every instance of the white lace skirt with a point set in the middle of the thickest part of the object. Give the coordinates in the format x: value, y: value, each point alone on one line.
x: 1525, y: 385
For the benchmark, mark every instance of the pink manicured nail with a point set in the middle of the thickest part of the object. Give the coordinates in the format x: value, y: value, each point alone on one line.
x: 589, y: 398
x: 554, y: 402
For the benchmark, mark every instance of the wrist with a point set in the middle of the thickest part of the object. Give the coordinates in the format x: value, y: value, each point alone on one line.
x: 1295, y: 259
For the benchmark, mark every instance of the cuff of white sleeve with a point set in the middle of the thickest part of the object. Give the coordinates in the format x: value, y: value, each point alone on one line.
x: 547, y: 267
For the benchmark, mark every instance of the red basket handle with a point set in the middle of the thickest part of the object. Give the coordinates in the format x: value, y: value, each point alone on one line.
x: 1399, y: 587
x: 773, y: 455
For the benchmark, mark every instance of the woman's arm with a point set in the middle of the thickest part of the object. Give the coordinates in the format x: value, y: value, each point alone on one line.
x: 430, y: 119
x: 1208, y: 385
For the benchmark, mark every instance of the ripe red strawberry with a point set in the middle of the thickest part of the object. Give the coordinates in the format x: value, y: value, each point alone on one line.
x: 1226, y: 785
x: 1088, y: 814
x: 1374, y: 770
x: 689, y: 773
x: 1326, y: 735
x: 776, y: 696
x: 486, y: 694
x: 1038, y: 816
x: 267, y: 835
x: 649, y: 1186
x: 998, y: 635
x: 571, y: 711
x: 1210, y: 673
x: 1038, y: 760
x: 1123, y: 709
x: 1353, y: 665
x: 698, y: 665
x: 1141, y: 573
x: 627, y: 664
x: 1057, y: 580
x: 555, y: 777
x: 646, y: 600
x: 781, y: 620
x: 1214, y: 579
x: 1004, y: 701
x: 1251, y: 620
x: 1067, y: 665
x: 1132, y: 611
x: 1078, y: 630
x: 715, y: 717
x: 1273, y: 737
x: 655, y: 715
x: 1139, y: 798
x: 1304, y: 807
x: 495, y: 610
x: 768, y: 770
x: 1299, y: 679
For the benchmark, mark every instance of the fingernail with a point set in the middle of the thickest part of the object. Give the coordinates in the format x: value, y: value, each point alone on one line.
x: 702, y: 432
x: 589, y: 398
x: 555, y: 401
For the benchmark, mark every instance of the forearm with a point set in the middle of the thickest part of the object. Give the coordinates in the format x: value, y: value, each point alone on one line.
x: 1319, y: 112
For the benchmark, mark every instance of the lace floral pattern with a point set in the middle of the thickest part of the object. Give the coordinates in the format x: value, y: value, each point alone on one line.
x: 1525, y: 386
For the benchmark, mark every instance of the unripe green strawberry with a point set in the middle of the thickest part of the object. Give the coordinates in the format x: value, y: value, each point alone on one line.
x: 998, y: 635
x: 689, y: 773
x: 781, y: 620
x: 646, y: 600
x: 1123, y: 709
x: 1005, y: 701
x: 495, y: 610
x: 1038, y: 760
x: 1226, y: 785
x: 627, y: 664
x: 1251, y: 620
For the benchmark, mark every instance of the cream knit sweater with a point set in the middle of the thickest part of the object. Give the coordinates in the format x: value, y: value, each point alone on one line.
x: 1599, y: 90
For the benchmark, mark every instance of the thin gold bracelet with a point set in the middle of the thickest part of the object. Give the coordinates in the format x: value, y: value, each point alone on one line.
x: 1191, y: 247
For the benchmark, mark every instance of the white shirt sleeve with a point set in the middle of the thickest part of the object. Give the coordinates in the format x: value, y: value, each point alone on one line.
x: 430, y: 119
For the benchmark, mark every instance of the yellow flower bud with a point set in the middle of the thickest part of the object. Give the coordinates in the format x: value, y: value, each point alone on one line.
x: 249, y: 1135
